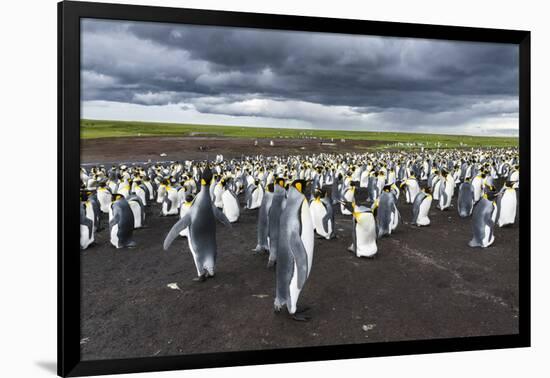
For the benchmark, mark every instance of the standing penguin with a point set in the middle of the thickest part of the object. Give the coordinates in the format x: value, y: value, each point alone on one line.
x: 363, y: 231
x: 278, y: 203
x: 230, y: 203
x: 104, y: 197
x: 138, y: 209
x: 411, y: 188
x: 263, y: 221
x: 483, y: 223
x: 121, y: 223
x: 421, y: 208
x: 465, y: 199
x: 322, y: 214
x: 254, y: 195
x: 202, y: 229
x: 295, y: 251
x: 446, y: 190
x: 86, y: 228
x: 507, y: 203
x: 349, y: 196
x: 387, y: 216
x: 170, y: 204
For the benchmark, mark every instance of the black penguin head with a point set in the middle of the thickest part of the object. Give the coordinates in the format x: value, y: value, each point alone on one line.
x: 508, y: 184
x: 189, y: 198
x: 300, y: 185
x: 318, y: 193
x: 427, y: 190
x: 350, y: 206
x: 116, y: 197
x: 270, y: 188
x: 206, y: 176
x: 280, y: 181
x: 387, y: 188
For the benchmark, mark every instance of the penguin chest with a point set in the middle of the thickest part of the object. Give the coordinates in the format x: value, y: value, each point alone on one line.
x: 230, y: 206
x: 257, y: 196
x: 424, y: 208
x: 136, y: 210
x: 507, y: 209
x: 365, y: 235
x: 114, y: 235
x: 85, y: 239
x: 488, y: 237
x: 218, y: 201
x: 318, y: 212
x: 307, y: 232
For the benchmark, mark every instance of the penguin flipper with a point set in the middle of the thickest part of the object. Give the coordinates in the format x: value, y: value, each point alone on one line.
x: 221, y: 216
x: 300, y: 257
x: 180, y: 225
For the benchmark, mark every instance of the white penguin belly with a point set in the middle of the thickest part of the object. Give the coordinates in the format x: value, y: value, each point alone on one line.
x: 307, y: 233
x: 436, y: 190
x: 423, y: 219
x: 507, y: 208
x: 114, y: 236
x: 230, y: 207
x: 136, y: 210
x: 489, y: 238
x: 365, y: 235
x: 85, y: 239
x: 257, y: 196
x: 218, y: 200
x: 318, y: 212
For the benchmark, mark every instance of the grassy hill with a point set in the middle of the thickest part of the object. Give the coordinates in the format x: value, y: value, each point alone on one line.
x: 108, y: 129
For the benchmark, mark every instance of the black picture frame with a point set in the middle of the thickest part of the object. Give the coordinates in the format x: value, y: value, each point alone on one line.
x: 69, y: 15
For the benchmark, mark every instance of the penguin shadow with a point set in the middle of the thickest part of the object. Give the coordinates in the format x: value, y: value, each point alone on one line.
x: 49, y: 366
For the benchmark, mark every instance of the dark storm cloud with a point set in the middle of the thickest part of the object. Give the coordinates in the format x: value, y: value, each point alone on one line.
x: 155, y: 64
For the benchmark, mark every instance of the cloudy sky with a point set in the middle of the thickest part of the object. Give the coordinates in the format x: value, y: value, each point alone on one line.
x: 234, y: 76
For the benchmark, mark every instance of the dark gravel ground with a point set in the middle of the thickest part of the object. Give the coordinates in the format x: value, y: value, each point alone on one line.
x: 425, y: 283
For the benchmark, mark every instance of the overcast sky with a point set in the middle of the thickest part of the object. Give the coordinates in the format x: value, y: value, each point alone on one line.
x: 235, y: 76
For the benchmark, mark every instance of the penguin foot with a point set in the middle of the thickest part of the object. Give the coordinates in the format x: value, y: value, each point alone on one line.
x: 300, y: 317
x: 201, y: 278
x: 301, y: 310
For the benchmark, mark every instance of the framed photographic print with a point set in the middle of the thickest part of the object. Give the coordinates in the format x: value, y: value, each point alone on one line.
x: 257, y: 188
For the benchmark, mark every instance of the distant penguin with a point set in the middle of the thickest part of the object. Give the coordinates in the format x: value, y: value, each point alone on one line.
x: 263, y: 221
x: 322, y: 214
x: 363, y: 231
x: 421, y: 208
x: 411, y: 189
x: 184, y: 209
x: 507, y: 204
x: 465, y: 200
x: 230, y: 204
x: 349, y: 196
x: 121, y: 223
x: 170, y: 205
x: 387, y: 215
x: 278, y: 203
x: 295, y: 251
x: 446, y: 190
x: 87, y: 234
x: 217, y: 193
x: 104, y: 197
x: 483, y: 223
x: 202, y: 229
x: 477, y: 186
x: 254, y: 195
x: 138, y: 210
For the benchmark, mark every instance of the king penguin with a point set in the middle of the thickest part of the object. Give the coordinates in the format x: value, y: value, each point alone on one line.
x: 322, y: 214
x: 483, y: 222
x: 421, y: 208
x: 387, y: 216
x: 363, y: 231
x: 507, y: 203
x: 121, y: 223
x: 202, y: 229
x: 465, y: 200
x: 277, y: 205
x: 263, y: 221
x: 295, y: 251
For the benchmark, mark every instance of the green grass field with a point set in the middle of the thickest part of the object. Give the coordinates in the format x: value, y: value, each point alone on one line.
x: 108, y: 129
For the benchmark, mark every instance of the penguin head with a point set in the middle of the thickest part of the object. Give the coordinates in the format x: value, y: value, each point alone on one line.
x: 387, y: 188
x: 206, y: 176
x: 300, y: 185
x: 116, y: 197
x: 280, y: 181
x: 270, y: 187
x: 189, y: 198
x: 318, y: 194
x: 427, y: 190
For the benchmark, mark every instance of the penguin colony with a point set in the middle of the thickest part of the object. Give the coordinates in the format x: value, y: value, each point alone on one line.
x: 295, y: 198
